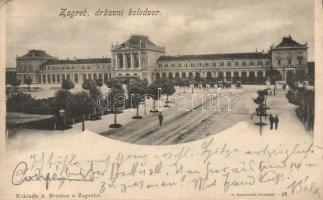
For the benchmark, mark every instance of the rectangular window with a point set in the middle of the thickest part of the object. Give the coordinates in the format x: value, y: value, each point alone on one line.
x: 279, y: 62
x: 236, y: 63
x: 229, y: 63
x: 244, y: 63
x: 259, y: 62
x: 221, y: 64
x: 300, y: 61
x: 289, y: 61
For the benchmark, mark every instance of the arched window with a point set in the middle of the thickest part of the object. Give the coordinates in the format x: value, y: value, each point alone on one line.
x: 53, y: 78
x: 76, y: 78
x: 228, y: 75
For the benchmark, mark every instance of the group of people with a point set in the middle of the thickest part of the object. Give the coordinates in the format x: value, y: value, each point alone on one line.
x: 273, y: 120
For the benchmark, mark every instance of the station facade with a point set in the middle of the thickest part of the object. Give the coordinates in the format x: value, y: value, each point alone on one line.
x: 139, y: 57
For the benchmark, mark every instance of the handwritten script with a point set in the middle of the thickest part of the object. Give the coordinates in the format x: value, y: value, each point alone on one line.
x: 213, y: 166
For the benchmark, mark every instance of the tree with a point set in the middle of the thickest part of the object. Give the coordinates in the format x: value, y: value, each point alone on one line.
x: 261, y: 101
x: 99, y: 82
x: 88, y: 84
x: 81, y: 103
x: 91, y: 86
x: 28, y: 81
x: 153, y: 91
x: 63, y: 100
x: 113, y: 83
x: 168, y: 89
x: 291, y: 79
x: 116, y: 104
x: 136, y: 93
x: 178, y: 81
x: 15, y: 82
x: 67, y: 84
x: 273, y: 75
x: 145, y: 82
x: 186, y: 83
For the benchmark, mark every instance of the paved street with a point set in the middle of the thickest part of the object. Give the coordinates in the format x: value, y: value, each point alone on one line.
x: 181, y: 126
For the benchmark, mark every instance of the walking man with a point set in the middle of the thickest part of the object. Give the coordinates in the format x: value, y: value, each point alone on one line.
x: 276, y: 120
x: 160, y: 117
x: 271, y: 120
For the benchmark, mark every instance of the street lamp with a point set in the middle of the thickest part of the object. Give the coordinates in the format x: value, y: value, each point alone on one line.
x: 83, y: 123
x: 145, y: 107
x: 274, y: 79
x: 62, y: 115
x: 192, y: 86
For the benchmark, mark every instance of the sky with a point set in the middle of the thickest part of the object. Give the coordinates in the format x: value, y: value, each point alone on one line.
x: 184, y: 27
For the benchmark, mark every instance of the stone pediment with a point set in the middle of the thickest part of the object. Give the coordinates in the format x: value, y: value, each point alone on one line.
x: 126, y: 48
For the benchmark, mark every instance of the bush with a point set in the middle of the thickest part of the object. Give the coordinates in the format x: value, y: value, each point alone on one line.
x: 22, y: 102
x: 67, y: 84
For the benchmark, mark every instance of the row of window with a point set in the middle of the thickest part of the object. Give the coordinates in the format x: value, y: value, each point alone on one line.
x: 209, y: 74
x: 52, y: 78
x: 68, y: 67
x: 214, y: 64
x: 290, y: 61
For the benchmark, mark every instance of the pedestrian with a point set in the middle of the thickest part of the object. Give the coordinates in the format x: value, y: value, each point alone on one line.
x: 271, y: 120
x: 276, y: 120
x: 160, y: 117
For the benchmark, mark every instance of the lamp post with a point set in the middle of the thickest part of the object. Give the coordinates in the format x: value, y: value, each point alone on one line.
x: 83, y: 123
x: 192, y: 86
x: 62, y: 115
x: 145, y: 108
x: 274, y: 79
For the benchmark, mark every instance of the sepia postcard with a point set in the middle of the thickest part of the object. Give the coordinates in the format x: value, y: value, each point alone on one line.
x: 152, y: 99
